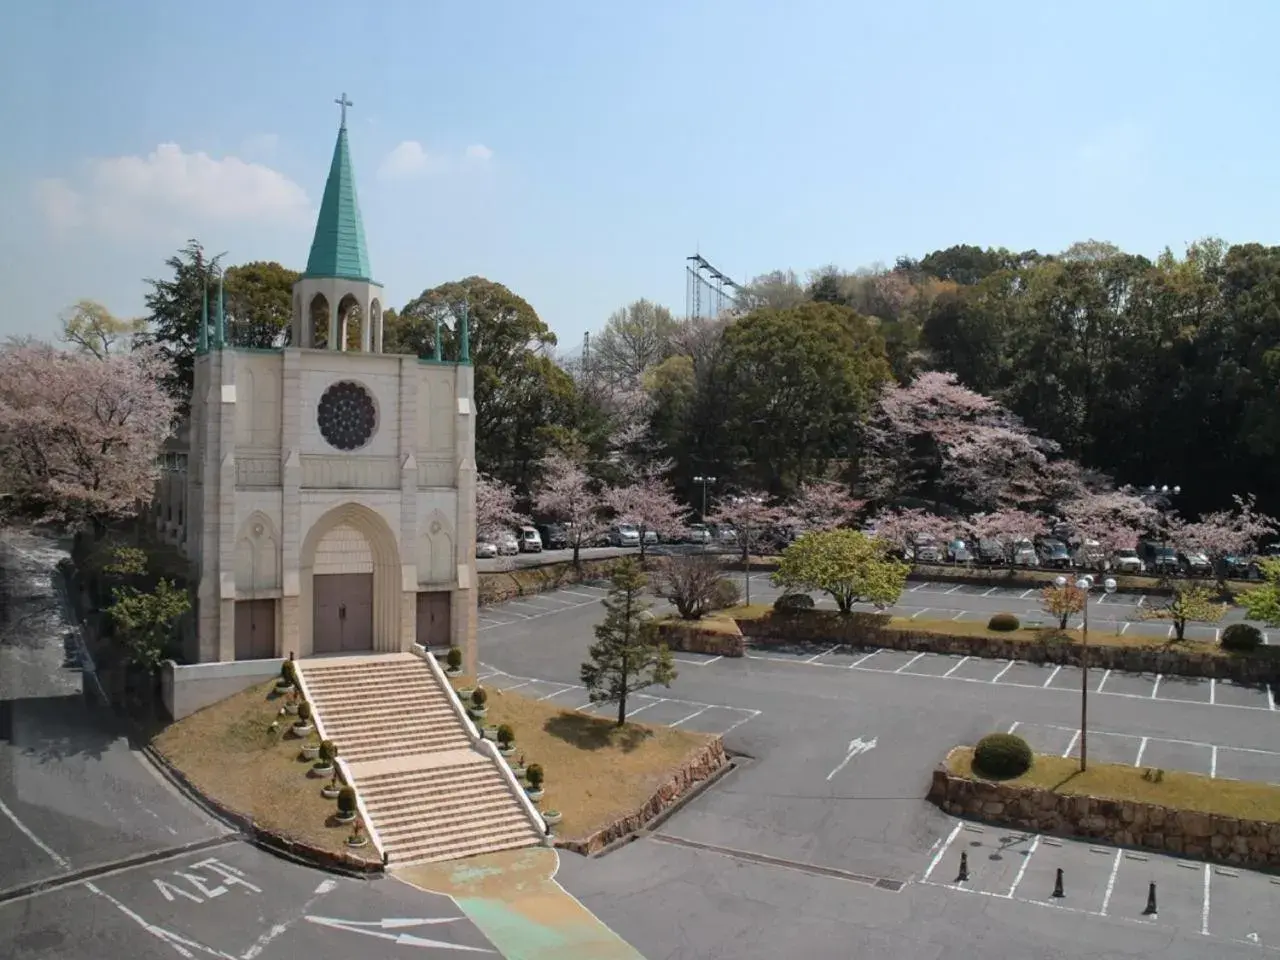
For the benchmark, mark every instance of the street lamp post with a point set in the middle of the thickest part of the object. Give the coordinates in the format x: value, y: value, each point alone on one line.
x: 704, y: 482
x: 1085, y: 584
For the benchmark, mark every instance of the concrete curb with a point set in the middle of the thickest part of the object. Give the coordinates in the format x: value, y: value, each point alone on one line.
x: 244, y: 827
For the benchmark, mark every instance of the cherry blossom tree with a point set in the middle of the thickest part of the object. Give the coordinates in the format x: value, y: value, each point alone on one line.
x: 650, y: 505
x: 750, y: 515
x: 1005, y: 525
x: 80, y: 435
x: 901, y: 527
x: 567, y: 494
x: 823, y: 505
x: 495, y: 508
x: 937, y: 437
x: 1223, y: 533
x: 1114, y: 519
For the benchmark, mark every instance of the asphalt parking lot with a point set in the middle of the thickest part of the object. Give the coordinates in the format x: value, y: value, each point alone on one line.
x: 837, y: 752
x: 1192, y: 897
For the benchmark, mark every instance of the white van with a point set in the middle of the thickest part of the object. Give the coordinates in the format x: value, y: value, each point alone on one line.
x: 530, y: 540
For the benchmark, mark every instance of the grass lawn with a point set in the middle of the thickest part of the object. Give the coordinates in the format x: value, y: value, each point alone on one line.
x: 595, y: 771
x: 228, y: 752
x: 1184, y: 791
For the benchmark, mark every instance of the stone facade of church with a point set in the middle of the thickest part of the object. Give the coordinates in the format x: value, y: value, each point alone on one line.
x: 326, y: 492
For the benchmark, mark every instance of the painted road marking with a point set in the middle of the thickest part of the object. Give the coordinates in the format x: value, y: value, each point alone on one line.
x: 937, y: 857
x: 857, y: 747
x: 991, y: 591
x: 376, y: 928
x: 1022, y: 869
x: 696, y: 713
x: 27, y: 832
x: 996, y: 678
x: 1111, y: 883
x: 909, y: 662
x: 1155, y: 688
x: 1142, y: 748
x: 958, y: 665
x: 1072, y: 745
x: 824, y: 653
x: 918, y: 612
x: 1052, y: 675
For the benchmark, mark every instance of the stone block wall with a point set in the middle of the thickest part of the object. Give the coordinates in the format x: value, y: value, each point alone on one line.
x: 703, y: 765
x: 523, y: 581
x: 1125, y: 823
x: 869, y: 630
x: 687, y: 636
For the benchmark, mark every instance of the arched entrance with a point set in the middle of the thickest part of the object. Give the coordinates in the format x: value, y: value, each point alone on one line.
x: 350, y: 573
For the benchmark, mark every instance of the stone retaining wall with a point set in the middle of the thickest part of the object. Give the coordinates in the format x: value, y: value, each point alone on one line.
x: 523, y: 581
x: 867, y: 630
x: 688, y: 637
x: 1125, y: 823
x: 700, y: 767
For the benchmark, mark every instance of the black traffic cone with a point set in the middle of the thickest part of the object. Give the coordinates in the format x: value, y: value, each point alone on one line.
x: 1057, y: 885
x: 1151, y: 901
x: 964, y: 867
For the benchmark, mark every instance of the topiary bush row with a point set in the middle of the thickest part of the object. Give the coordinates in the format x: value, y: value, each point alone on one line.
x: 1241, y: 638
x: 1002, y: 756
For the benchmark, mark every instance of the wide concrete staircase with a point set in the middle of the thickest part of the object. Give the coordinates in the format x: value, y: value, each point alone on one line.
x: 428, y: 792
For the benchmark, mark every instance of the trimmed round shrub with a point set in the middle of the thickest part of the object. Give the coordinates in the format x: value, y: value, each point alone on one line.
x: 328, y: 751
x: 506, y: 736
x: 347, y: 800
x: 1005, y: 622
x: 725, y: 594
x: 479, y: 697
x: 1241, y: 638
x: 287, y: 674
x: 1002, y: 755
x: 793, y: 601
x: 534, y: 776
x: 304, y: 712
x: 454, y: 658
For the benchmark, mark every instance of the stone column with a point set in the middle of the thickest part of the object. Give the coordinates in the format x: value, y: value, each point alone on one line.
x: 407, y: 422
x: 226, y: 425
x: 466, y: 595
x: 290, y: 640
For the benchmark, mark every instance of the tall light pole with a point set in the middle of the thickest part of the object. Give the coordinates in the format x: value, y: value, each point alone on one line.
x: 1085, y: 584
x: 704, y: 482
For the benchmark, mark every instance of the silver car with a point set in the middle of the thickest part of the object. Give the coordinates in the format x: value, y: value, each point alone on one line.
x: 624, y: 535
x: 1022, y: 553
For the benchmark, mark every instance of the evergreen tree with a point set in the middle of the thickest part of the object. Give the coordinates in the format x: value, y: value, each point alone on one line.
x: 624, y: 657
x: 174, y: 313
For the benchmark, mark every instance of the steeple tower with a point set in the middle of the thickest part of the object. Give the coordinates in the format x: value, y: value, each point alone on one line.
x: 338, y: 285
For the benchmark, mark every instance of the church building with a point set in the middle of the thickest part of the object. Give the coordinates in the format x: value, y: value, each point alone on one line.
x: 326, y: 498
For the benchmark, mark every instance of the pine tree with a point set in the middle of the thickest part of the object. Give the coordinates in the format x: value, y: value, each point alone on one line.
x: 174, y: 307
x: 624, y: 657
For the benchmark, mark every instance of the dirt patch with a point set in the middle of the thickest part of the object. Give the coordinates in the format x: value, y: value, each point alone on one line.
x: 228, y: 752
x: 595, y: 771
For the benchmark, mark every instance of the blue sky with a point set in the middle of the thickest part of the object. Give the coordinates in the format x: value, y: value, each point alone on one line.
x: 578, y: 152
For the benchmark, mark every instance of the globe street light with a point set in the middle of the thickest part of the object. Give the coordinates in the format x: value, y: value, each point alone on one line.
x: 704, y: 482
x: 1085, y: 584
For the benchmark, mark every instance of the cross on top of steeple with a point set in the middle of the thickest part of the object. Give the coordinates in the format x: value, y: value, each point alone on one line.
x: 343, y: 102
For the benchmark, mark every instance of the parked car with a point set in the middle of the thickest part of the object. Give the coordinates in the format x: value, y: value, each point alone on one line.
x: 651, y: 537
x: 508, y: 544
x: 1195, y: 564
x: 555, y: 536
x: 1241, y: 568
x: 990, y: 552
x: 726, y: 534
x: 486, y: 551
x: 1090, y: 555
x: 530, y: 540
x: 1022, y: 553
x: 1159, y: 558
x: 1053, y: 553
x: 958, y: 552
x: 623, y: 535
x: 697, y: 533
x: 1127, y: 561
x: 924, y: 549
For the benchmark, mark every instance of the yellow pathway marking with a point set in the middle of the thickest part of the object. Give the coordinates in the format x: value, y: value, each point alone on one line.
x: 515, y: 901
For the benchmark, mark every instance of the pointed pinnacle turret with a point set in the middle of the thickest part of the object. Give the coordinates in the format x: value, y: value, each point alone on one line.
x: 338, y: 248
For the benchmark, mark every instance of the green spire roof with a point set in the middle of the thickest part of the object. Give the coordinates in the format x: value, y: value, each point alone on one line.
x: 338, y: 249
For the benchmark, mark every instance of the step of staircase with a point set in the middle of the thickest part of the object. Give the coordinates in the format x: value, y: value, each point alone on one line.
x: 395, y: 714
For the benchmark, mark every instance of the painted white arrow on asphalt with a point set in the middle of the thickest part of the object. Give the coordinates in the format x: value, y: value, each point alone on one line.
x: 392, y: 923
x: 857, y: 746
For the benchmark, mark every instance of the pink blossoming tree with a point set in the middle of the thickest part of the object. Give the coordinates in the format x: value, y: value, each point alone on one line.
x: 751, y: 515
x: 567, y: 494
x: 80, y: 435
x: 650, y: 505
x: 823, y: 505
x: 1223, y: 533
x: 495, y: 508
x: 901, y: 527
x: 1116, y: 520
x: 1005, y: 525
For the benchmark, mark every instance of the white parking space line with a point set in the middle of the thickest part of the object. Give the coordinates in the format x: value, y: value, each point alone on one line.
x: 1103, y: 681
x: 942, y: 851
x: 960, y: 663
x: 1213, y: 691
x: 1156, y: 686
x: 959, y: 615
x: 958, y: 586
x: 991, y: 591
x: 632, y: 713
x: 696, y: 713
x: 819, y: 656
x: 863, y: 659
x: 920, y: 586
x: 1271, y: 697
x: 909, y: 662
x: 1052, y: 675
x: 1014, y: 726
x: 1204, y: 912
x: 566, y: 688
x: 1142, y: 748
x: 918, y: 612
x: 585, y: 596
x: 1072, y: 745
x: 1123, y: 628
x: 1026, y: 593
x: 1111, y: 883
x: 1022, y: 869
x: 996, y: 678
x: 1213, y: 763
